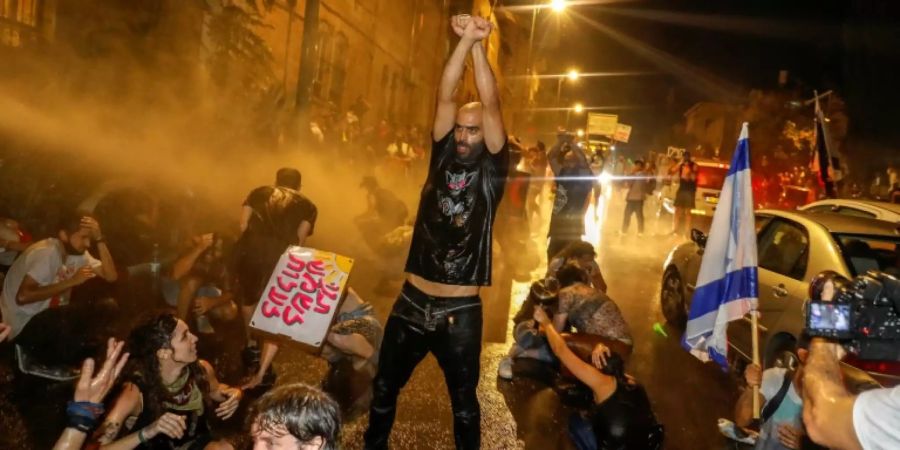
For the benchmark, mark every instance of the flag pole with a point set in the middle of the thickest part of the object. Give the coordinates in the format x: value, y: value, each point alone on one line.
x: 754, y: 316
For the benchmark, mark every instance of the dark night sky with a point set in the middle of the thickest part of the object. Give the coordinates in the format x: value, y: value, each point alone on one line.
x: 851, y: 46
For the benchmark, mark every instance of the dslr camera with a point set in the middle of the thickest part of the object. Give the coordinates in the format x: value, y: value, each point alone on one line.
x: 863, y: 314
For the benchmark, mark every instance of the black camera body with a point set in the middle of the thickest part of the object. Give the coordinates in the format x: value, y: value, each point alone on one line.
x: 864, y: 316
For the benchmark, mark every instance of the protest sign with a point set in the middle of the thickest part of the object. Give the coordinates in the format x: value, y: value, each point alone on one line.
x: 302, y: 295
x: 674, y: 152
x: 623, y: 133
x: 602, y: 124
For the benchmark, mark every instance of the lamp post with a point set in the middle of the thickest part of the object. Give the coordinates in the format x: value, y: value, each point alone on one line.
x: 557, y: 6
x: 571, y: 75
x: 578, y: 108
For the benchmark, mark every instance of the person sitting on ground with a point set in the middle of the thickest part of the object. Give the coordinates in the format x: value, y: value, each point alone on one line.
x: 295, y: 417
x: 86, y: 407
x: 589, y: 310
x: 528, y: 341
x: 781, y: 417
x: 584, y: 254
x: 351, y: 349
x: 621, y: 417
x: 384, y: 213
x: 201, y: 284
x: 168, y: 392
x: 13, y: 241
x: 35, y: 303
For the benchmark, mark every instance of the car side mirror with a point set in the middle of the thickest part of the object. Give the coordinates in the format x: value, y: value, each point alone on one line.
x: 698, y: 237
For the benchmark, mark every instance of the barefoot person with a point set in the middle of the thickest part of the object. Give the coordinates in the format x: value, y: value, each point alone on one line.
x: 439, y: 310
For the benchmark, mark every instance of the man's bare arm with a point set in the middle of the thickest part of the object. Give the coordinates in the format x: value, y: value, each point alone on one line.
x: 445, y: 114
x: 827, y: 406
x: 488, y: 93
x: 107, y: 269
x: 303, y: 232
x: 246, y: 212
x: 31, y: 292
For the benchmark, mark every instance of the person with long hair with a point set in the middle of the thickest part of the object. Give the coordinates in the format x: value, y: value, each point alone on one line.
x: 586, y: 308
x: 582, y: 253
x: 621, y: 417
x: 167, y: 393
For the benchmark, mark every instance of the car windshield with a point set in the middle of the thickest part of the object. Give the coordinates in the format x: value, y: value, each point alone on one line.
x: 863, y: 253
x: 711, y: 177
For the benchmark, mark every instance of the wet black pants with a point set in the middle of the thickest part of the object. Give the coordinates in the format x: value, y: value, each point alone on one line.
x: 450, y: 328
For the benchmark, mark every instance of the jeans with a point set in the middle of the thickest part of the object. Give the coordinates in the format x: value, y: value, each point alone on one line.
x: 66, y: 335
x: 531, y: 343
x: 582, y: 432
x: 449, y: 328
x: 633, y: 207
x: 171, y: 288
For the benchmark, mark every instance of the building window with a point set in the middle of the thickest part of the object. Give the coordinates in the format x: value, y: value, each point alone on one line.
x: 24, y: 12
x: 340, y: 56
x: 324, y: 66
x: 18, y: 21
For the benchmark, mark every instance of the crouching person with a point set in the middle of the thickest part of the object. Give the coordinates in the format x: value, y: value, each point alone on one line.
x: 295, y: 417
x: 781, y: 417
x: 51, y: 333
x: 620, y: 416
x: 529, y: 342
x: 168, y: 394
x: 352, y: 352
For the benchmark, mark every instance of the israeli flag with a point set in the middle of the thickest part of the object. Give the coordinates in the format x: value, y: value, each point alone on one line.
x: 727, y: 286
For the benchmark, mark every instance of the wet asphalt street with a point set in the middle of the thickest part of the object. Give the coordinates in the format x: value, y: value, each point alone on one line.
x: 687, y: 396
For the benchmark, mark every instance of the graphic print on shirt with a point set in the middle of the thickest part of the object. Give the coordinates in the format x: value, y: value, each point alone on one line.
x: 561, y: 199
x: 64, y: 272
x: 458, y: 200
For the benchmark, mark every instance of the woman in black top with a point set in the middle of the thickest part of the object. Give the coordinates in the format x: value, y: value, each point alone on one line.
x: 621, y: 417
x: 168, y: 393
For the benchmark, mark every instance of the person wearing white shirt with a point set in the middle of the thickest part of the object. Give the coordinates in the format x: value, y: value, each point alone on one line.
x: 35, y: 296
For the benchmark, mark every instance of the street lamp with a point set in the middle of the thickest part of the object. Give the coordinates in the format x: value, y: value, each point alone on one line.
x: 558, y: 5
x: 578, y: 108
x: 580, y: 133
x: 573, y: 75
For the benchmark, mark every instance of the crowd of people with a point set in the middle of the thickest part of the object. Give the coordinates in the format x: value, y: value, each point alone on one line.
x: 570, y: 332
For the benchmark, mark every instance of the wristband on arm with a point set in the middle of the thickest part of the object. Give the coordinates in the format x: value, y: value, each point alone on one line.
x: 83, y: 416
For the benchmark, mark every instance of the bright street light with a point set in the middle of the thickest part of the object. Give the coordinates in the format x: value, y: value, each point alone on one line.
x: 558, y: 5
x: 580, y: 133
x: 579, y: 108
x: 573, y: 75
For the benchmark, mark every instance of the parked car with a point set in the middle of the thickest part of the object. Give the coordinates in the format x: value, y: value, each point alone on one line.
x: 793, y: 247
x: 855, y: 207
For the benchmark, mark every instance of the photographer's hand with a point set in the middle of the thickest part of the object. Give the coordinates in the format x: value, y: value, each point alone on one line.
x: 827, y: 406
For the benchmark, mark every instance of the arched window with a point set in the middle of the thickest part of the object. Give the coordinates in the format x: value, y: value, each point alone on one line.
x: 324, y: 66
x: 340, y: 59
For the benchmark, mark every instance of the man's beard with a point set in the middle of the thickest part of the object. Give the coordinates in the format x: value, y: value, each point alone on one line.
x: 71, y: 250
x: 475, y: 151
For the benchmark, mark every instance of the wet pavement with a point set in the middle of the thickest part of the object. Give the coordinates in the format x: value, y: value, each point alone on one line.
x: 687, y: 396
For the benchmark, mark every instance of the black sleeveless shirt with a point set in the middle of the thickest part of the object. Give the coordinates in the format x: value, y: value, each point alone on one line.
x: 451, y: 241
x: 197, y: 433
x: 625, y: 421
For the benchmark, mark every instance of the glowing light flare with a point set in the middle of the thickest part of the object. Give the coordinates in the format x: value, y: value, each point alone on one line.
x: 580, y: 133
x: 558, y: 5
x: 578, y: 108
x: 573, y: 75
